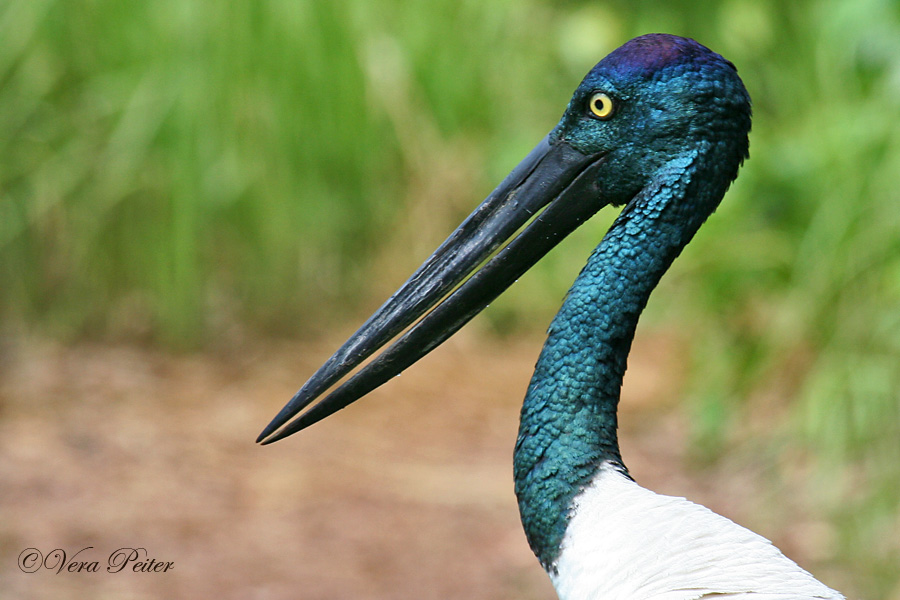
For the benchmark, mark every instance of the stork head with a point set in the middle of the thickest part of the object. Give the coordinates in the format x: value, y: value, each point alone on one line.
x: 657, y: 101
x: 654, y: 99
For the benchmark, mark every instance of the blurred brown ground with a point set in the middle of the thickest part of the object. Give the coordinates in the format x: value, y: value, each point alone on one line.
x: 407, y: 494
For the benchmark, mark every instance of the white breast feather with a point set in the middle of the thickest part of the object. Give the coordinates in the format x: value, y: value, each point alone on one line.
x: 624, y: 542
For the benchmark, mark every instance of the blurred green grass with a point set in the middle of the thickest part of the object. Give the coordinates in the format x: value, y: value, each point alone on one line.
x: 177, y: 168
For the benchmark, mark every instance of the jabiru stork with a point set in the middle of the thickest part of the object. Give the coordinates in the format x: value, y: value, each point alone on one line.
x: 660, y: 127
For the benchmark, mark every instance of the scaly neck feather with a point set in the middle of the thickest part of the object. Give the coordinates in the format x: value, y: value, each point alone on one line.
x: 568, y: 423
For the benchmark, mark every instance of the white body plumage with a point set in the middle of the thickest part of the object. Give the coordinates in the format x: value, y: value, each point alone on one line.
x: 624, y: 542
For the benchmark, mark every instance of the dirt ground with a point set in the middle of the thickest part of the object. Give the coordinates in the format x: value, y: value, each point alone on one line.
x: 406, y: 494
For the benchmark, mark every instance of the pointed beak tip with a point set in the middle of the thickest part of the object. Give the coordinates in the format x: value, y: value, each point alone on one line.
x: 268, y: 431
x: 270, y: 437
x: 288, y: 431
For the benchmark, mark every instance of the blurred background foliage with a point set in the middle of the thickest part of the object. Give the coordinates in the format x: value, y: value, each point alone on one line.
x: 175, y: 171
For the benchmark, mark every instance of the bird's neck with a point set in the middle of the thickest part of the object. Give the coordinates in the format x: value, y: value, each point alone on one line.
x: 568, y: 422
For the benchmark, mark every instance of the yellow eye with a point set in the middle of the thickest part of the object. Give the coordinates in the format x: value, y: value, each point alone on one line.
x: 601, y: 105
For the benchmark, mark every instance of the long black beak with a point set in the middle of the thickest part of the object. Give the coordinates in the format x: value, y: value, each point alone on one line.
x: 554, y: 175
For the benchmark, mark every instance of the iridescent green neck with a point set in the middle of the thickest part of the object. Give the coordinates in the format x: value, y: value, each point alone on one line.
x: 568, y: 422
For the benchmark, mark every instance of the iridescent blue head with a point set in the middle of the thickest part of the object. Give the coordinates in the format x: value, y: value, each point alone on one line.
x: 651, y: 100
